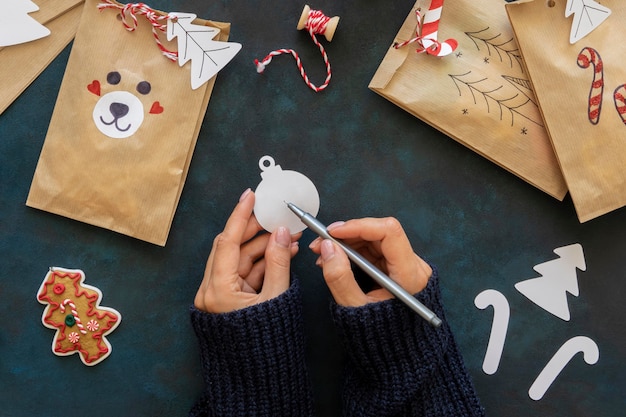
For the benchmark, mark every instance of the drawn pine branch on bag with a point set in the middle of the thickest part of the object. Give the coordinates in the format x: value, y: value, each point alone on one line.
x: 504, y: 49
x: 514, y: 104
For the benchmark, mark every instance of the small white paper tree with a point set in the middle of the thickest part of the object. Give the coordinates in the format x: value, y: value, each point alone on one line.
x: 558, y: 278
x: 16, y: 26
x: 195, y: 43
x: 588, y: 15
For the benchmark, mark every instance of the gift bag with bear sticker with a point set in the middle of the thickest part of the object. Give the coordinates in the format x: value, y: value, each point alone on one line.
x: 127, y: 117
x: 574, y: 51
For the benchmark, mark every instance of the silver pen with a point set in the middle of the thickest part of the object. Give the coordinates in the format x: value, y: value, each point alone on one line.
x: 380, y: 277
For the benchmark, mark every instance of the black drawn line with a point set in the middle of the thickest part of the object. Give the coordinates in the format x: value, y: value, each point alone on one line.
x: 503, y: 104
x: 504, y: 49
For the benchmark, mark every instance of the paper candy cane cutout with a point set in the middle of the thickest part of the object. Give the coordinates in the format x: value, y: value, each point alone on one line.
x: 548, y: 375
x: 590, y: 57
x: 427, y: 31
x: 501, y: 314
x: 430, y: 28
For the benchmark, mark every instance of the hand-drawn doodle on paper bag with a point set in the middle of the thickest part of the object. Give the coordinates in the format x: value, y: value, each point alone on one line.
x: 479, y: 94
x: 580, y: 90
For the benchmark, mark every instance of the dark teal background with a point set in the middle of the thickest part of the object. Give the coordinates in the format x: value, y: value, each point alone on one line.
x: 482, y: 226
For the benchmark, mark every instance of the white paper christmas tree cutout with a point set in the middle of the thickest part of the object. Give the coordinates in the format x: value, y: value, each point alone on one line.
x: 195, y: 43
x: 16, y: 26
x: 558, y: 279
x: 588, y: 15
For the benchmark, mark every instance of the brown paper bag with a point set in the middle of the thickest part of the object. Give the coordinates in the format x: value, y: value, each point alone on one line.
x: 479, y: 95
x: 591, y: 152
x: 21, y: 64
x: 130, y: 184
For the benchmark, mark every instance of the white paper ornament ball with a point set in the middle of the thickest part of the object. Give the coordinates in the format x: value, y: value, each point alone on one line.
x: 278, y: 188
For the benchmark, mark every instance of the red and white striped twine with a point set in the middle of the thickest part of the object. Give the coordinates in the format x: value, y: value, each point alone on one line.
x: 156, y: 19
x: 316, y: 25
x: 426, y: 32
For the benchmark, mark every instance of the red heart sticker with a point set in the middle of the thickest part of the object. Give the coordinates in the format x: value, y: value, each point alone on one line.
x: 156, y: 108
x: 94, y: 87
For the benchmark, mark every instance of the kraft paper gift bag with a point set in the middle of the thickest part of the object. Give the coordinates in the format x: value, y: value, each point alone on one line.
x: 123, y: 128
x: 23, y: 62
x: 580, y: 87
x: 479, y: 94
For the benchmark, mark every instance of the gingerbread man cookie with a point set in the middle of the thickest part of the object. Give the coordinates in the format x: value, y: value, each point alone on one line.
x: 73, y: 310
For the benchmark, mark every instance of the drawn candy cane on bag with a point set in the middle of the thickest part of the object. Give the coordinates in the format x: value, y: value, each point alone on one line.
x: 619, y: 96
x: 590, y: 57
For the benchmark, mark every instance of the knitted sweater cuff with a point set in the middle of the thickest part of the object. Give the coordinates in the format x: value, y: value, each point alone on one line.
x: 387, y: 341
x: 399, y: 364
x: 253, y: 359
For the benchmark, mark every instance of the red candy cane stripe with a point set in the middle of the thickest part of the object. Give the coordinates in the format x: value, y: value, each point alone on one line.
x: 426, y: 32
x: 587, y: 57
x: 316, y: 25
x: 79, y: 324
x: 619, y: 95
x: 155, y: 18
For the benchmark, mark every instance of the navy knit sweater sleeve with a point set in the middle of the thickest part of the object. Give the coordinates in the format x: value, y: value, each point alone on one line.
x: 253, y: 360
x: 399, y: 365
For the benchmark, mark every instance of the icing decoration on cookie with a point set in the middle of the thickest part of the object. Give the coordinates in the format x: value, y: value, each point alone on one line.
x: 70, y: 303
x: 92, y: 326
x: 73, y: 337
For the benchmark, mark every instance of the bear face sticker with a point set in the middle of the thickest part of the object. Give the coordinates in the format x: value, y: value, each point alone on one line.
x: 119, y: 114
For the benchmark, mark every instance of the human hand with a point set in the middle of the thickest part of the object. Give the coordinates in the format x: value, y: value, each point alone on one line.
x: 244, y: 267
x: 384, y: 243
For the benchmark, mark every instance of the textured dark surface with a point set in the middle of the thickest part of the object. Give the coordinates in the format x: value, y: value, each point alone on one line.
x: 483, y: 228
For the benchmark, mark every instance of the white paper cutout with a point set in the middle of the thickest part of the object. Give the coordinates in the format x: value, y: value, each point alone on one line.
x: 278, y: 188
x: 195, y: 43
x: 558, y: 278
x: 556, y: 286
x: 16, y: 26
x: 588, y: 15
x: 548, y: 375
x: 118, y: 114
x: 501, y: 315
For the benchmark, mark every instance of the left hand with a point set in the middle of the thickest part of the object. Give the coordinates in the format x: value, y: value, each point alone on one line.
x: 246, y: 268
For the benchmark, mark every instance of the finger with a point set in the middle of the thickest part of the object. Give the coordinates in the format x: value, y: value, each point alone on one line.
x: 254, y: 279
x: 387, y: 239
x: 339, y: 276
x: 251, y: 252
x: 199, y: 300
x: 252, y: 229
x: 315, y: 245
x: 277, y: 263
x: 227, y: 244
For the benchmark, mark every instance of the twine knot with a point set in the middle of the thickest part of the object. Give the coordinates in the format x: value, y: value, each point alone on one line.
x: 128, y: 15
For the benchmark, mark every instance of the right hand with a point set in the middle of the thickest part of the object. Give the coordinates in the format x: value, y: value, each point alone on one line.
x: 383, y: 242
